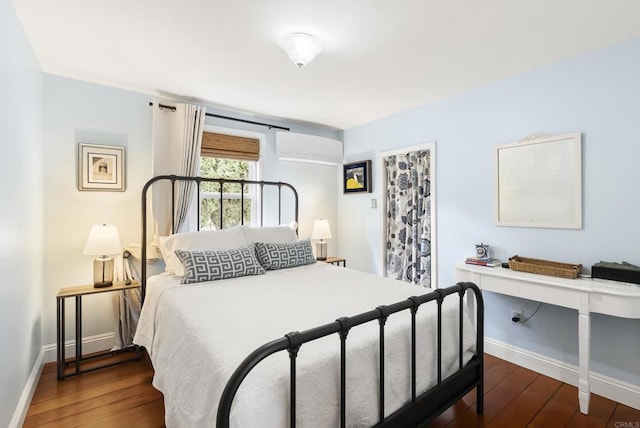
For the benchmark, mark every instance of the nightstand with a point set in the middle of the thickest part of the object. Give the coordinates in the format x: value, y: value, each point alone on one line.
x: 336, y: 261
x: 78, y: 292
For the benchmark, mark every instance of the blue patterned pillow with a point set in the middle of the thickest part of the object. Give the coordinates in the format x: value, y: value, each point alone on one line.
x: 280, y: 256
x: 200, y: 266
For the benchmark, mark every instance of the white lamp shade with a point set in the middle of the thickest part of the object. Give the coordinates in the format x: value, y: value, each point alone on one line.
x: 302, y: 48
x: 321, y: 229
x: 103, y: 240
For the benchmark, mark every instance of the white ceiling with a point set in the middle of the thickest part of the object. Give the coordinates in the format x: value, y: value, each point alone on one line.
x: 380, y: 56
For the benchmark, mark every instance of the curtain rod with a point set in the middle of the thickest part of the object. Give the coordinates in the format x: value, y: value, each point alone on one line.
x: 270, y: 126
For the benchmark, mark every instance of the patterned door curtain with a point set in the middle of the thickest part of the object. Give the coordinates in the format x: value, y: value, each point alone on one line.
x: 409, y: 218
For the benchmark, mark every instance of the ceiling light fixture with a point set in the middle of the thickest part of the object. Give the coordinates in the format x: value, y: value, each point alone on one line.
x: 302, y: 48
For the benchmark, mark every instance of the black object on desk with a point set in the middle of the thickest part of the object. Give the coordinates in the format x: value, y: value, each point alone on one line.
x: 625, y: 272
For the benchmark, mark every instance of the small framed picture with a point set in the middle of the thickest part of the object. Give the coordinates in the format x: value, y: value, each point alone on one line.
x: 101, y: 168
x: 357, y: 177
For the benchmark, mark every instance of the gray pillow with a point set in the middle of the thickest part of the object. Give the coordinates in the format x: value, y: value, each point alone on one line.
x: 280, y: 256
x: 200, y: 266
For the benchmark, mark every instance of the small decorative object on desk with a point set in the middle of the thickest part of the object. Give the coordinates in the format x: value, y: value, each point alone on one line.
x: 482, y: 251
x: 482, y: 261
x: 545, y: 267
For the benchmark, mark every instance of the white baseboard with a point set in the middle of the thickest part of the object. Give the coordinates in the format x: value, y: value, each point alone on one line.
x: 606, y: 386
x: 27, y: 393
x: 90, y: 344
x: 48, y: 354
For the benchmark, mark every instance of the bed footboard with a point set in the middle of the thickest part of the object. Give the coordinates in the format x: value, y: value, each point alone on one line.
x: 422, y: 407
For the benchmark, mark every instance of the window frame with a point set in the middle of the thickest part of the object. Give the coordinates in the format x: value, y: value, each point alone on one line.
x: 254, y: 175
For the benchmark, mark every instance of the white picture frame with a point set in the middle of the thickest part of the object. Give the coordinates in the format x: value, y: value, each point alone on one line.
x: 539, y: 182
x: 101, y: 168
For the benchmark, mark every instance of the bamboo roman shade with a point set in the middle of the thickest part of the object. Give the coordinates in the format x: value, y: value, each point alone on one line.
x: 230, y: 147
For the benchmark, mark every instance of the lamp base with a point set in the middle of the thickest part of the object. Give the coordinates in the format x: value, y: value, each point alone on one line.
x: 321, y: 253
x: 102, y: 284
x: 102, y: 272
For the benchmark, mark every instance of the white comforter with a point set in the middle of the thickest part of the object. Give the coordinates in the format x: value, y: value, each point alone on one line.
x: 198, y: 334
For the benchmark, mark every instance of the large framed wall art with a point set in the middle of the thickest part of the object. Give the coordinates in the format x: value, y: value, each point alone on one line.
x: 539, y: 182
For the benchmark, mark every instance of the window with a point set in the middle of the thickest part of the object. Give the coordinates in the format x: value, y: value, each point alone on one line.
x: 231, y: 157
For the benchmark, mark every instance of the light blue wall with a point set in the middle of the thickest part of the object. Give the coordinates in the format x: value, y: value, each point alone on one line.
x: 21, y: 215
x: 597, y: 94
x: 76, y: 111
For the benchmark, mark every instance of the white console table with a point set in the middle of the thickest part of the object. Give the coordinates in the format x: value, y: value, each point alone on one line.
x: 584, y: 295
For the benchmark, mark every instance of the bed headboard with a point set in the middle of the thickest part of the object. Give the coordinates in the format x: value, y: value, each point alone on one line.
x: 198, y: 181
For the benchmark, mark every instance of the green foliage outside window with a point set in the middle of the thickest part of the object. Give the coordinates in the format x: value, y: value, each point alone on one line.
x: 210, y: 206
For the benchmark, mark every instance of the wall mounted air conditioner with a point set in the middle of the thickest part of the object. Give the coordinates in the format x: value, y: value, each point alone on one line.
x: 308, y: 148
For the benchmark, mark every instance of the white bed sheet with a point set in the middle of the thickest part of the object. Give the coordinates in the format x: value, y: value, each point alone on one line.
x: 198, y: 334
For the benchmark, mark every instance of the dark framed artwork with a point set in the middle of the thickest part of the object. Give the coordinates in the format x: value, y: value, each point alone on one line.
x: 101, y: 168
x: 357, y: 177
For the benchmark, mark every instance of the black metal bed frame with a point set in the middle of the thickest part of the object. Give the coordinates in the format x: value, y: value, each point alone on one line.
x: 423, y: 407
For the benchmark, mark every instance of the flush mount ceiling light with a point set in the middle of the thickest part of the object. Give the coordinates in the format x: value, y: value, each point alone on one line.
x: 302, y: 48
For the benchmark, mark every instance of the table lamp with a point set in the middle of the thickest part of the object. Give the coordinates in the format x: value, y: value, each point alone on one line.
x: 103, y: 241
x: 321, y: 231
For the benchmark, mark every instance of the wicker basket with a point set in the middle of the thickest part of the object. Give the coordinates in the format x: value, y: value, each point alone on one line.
x: 544, y: 267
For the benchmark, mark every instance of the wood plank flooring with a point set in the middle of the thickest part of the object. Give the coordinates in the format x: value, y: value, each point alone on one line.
x: 122, y: 396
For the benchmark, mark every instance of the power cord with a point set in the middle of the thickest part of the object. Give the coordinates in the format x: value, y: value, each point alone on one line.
x: 531, y: 316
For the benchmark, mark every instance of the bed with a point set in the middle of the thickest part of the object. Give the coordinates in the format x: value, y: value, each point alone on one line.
x: 222, y: 358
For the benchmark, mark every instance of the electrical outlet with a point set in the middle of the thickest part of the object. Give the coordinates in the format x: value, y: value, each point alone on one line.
x: 516, y: 316
x: 374, y: 203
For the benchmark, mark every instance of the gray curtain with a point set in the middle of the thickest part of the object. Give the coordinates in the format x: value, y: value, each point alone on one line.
x: 409, y: 217
x: 193, y: 126
x: 176, y: 143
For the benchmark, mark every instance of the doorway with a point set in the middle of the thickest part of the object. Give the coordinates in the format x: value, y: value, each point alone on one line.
x: 408, y: 214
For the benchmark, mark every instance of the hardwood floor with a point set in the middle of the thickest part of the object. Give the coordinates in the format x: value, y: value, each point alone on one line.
x: 122, y: 396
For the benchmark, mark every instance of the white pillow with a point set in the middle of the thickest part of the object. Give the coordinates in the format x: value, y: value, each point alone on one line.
x: 216, y: 240
x: 283, y: 234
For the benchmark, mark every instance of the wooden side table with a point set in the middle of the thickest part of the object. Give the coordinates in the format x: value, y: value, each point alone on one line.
x: 336, y: 261
x: 78, y: 292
